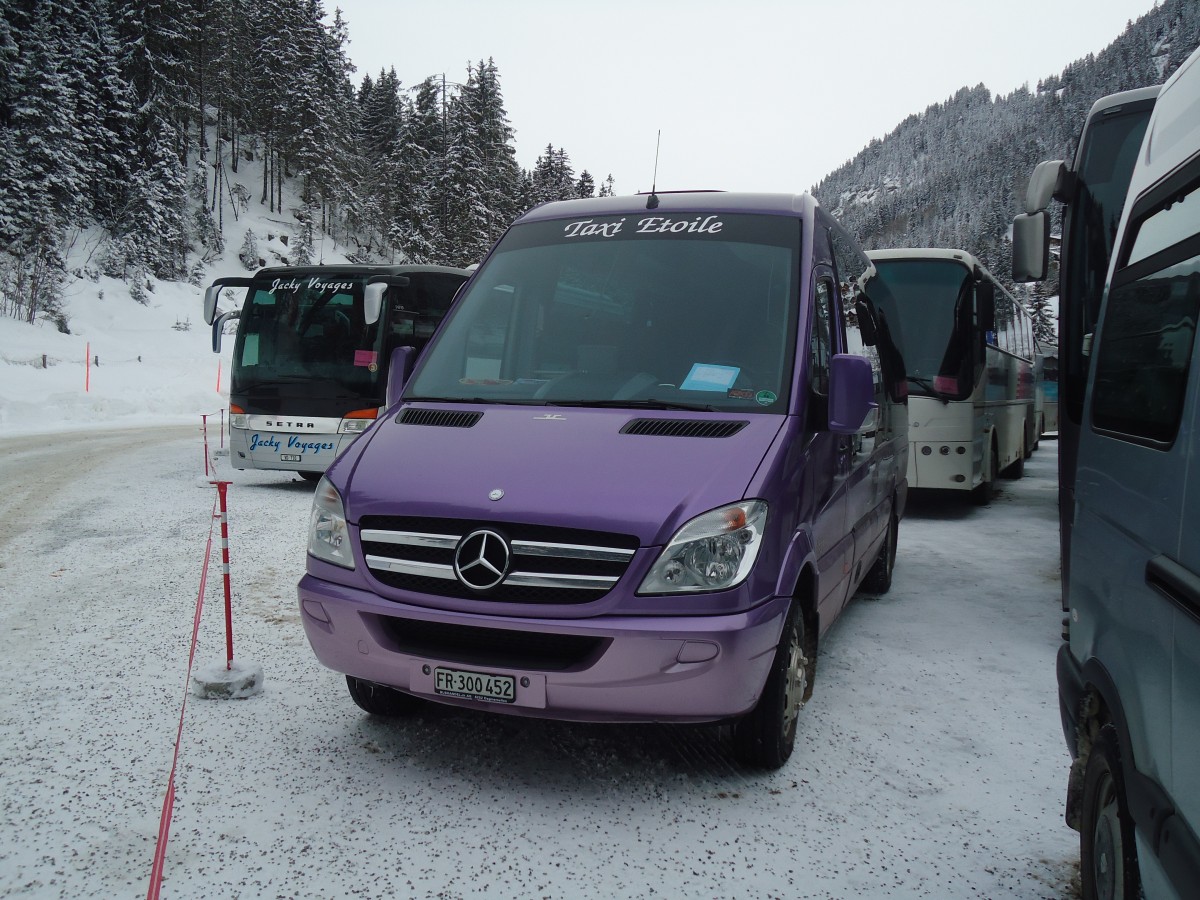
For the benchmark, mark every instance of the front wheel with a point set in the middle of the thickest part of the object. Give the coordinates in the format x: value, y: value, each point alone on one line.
x: 983, y: 494
x: 879, y: 579
x: 765, y: 736
x: 1107, y: 853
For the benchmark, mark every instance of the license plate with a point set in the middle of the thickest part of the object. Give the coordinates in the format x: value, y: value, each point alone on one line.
x: 475, y: 686
x: 289, y: 457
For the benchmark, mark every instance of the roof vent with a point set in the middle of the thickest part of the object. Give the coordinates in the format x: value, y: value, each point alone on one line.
x: 440, y: 418
x: 692, y: 428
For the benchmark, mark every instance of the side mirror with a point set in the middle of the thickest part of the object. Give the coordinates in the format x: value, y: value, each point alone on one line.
x: 218, y: 327
x: 1031, y: 247
x: 1043, y: 184
x: 851, y: 393
x: 214, y: 291
x: 377, y: 286
x: 985, y: 305
x: 866, y: 323
x: 400, y: 366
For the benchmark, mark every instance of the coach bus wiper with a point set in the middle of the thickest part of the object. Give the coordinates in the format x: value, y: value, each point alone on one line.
x: 928, y: 385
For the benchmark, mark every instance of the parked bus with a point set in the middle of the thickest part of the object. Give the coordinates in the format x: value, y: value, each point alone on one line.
x: 1129, y: 669
x: 1092, y: 190
x: 968, y: 349
x: 310, y: 361
x: 663, y: 442
x: 1049, y: 424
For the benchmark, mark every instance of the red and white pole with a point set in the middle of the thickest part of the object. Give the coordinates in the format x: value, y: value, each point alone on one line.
x: 222, y: 487
x: 204, y: 431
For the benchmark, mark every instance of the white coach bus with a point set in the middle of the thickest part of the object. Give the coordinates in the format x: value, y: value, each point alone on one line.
x: 968, y: 351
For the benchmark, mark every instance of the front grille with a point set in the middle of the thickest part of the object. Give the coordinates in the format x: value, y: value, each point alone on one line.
x: 693, y: 428
x: 549, y: 564
x: 489, y: 647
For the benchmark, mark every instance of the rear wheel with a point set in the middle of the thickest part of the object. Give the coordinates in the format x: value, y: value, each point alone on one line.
x: 1017, y: 468
x: 765, y: 736
x: 983, y: 494
x: 380, y: 700
x: 310, y: 476
x: 879, y: 578
x: 1107, y: 853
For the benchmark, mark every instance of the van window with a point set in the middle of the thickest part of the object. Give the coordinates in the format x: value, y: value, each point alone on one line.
x: 1150, y: 324
x: 821, y: 339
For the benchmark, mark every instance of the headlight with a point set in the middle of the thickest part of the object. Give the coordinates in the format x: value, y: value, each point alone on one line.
x: 328, y: 537
x: 712, y: 552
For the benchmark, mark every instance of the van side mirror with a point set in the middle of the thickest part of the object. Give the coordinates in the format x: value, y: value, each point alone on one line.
x: 1031, y: 247
x: 214, y: 292
x: 377, y: 286
x: 851, y: 392
x: 400, y: 366
x: 985, y: 305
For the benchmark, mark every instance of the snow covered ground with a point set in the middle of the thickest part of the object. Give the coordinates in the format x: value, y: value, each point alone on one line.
x: 930, y: 762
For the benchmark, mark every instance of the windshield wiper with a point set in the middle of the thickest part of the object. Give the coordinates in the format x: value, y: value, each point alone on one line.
x: 636, y: 404
x: 492, y: 401
x: 928, y: 385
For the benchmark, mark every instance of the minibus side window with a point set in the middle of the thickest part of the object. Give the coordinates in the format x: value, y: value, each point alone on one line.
x: 1149, y: 324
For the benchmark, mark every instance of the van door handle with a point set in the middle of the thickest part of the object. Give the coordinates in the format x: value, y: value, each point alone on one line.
x: 1177, y: 583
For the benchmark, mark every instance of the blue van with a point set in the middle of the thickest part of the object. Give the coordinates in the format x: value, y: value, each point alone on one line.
x: 1129, y: 673
x: 653, y: 450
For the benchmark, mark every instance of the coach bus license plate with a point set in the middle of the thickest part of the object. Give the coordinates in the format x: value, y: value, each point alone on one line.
x: 289, y: 457
x: 475, y: 686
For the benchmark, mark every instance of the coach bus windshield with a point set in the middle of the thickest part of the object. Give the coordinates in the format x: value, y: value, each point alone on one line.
x: 307, y: 335
x: 930, y: 313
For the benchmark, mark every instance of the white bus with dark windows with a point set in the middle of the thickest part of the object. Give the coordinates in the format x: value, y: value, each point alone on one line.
x: 968, y: 350
x: 311, y: 357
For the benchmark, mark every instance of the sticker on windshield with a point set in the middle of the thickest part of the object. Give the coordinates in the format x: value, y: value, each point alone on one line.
x: 709, y: 377
x: 365, y: 358
x: 766, y: 398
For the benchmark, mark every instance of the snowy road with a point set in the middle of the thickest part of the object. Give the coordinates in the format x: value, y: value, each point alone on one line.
x: 930, y: 761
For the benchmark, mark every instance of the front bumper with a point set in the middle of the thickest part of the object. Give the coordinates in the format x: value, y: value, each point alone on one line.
x: 603, y: 669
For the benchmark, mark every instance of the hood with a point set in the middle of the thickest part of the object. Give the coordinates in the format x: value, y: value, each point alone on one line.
x: 623, y: 471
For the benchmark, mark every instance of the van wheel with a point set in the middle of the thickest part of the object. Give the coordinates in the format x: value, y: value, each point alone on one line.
x: 983, y: 494
x: 379, y: 700
x: 1107, y: 853
x: 765, y: 736
x: 879, y: 578
x: 314, y: 477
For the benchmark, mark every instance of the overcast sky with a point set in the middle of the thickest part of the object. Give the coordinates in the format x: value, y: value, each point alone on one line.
x: 755, y: 95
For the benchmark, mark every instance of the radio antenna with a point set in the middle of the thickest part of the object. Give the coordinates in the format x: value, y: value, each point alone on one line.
x: 652, y: 200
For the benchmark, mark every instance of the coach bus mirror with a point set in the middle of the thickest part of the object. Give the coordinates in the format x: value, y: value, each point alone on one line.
x: 377, y: 286
x: 400, y: 367
x: 214, y: 292
x: 985, y: 305
x: 851, y: 392
x: 218, y: 327
x: 1042, y: 184
x: 866, y: 323
x: 1031, y: 247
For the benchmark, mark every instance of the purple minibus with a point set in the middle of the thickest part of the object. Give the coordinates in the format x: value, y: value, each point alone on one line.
x: 652, y: 451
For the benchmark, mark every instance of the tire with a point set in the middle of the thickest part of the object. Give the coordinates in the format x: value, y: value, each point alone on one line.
x: 380, y: 700
x: 314, y: 477
x: 1107, y: 853
x: 765, y: 736
x: 879, y: 578
x: 983, y: 494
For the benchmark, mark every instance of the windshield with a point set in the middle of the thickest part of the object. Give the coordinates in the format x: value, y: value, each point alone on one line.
x: 928, y: 307
x: 305, y: 334
x: 1105, y: 166
x: 686, y: 312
